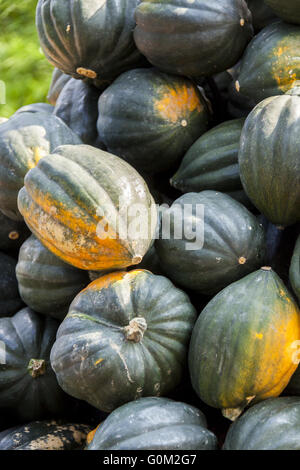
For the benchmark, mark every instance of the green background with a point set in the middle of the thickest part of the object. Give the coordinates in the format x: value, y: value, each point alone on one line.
x: 23, y: 67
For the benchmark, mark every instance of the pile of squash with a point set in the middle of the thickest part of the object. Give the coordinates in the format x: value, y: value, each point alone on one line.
x: 148, y: 340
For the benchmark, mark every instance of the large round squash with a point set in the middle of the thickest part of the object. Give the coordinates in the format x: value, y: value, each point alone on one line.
x: 212, y: 161
x: 271, y: 425
x: 269, y: 163
x: 78, y: 202
x: 24, y: 139
x: 270, y: 65
x: 125, y: 337
x: 47, y: 284
x: 10, y: 301
x: 243, y: 344
x: 154, y: 424
x: 211, y: 252
x: 89, y: 38
x: 295, y: 269
x: 28, y: 386
x: 150, y: 118
x: 193, y: 38
x: 288, y: 10
x: 44, y: 435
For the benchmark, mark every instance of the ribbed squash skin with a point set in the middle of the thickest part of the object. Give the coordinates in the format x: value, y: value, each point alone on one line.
x: 10, y: 301
x: 154, y: 424
x: 89, y: 38
x: 262, y: 14
x: 212, y: 161
x: 71, y: 202
x: 47, y: 284
x: 58, y: 81
x: 194, y: 39
x: 44, y: 435
x: 27, y: 392
x: 77, y: 106
x: 271, y: 425
x: 270, y: 65
x: 242, y: 346
x: 269, y: 166
x: 234, y: 243
x: 295, y: 269
x: 125, y: 337
x: 24, y: 139
x: 36, y: 108
x: 287, y: 10
x: 150, y: 118
x: 12, y: 233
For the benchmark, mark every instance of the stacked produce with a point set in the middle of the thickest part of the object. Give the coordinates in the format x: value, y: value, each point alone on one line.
x: 150, y: 231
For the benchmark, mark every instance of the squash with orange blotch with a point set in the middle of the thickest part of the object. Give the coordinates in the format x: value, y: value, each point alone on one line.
x: 244, y: 342
x: 89, y: 208
x: 125, y: 337
x: 150, y: 118
x: 24, y: 139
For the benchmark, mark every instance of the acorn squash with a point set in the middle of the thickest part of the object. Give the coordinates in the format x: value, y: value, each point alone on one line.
x: 24, y: 139
x: 150, y: 118
x: 270, y: 65
x: 273, y: 424
x: 28, y: 386
x: 44, y: 435
x: 12, y: 233
x: 154, y: 424
x: 78, y: 203
x: 269, y: 166
x: 243, y: 344
x: 10, y: 301
x: 47, y: 284
x: 89, y: 38
x: 288, y: 10
x: 58, y: 81
x: 125, y: 337
x: 198, y: 38
x: 211, y: 252
x: 295, y: 269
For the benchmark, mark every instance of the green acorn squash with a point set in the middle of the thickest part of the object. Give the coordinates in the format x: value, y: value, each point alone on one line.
x: 288, y: 10
x: 59, y: 79
x: 28, y: 386
x: 262, y: 14
x: 269, y: 165
x: 233, y: 242
x: 125, y: 337
x: 150, y: 118
x: 295, y: 269
x: 270, y: 65
x: 12, y: 233
x: 154, y: 424
x: 243, y: 344
x: 47, y: 284
x: 10, y: 301
x: 44, y: 435
x: 24, y: 139
x: 212, y: 161
x: 198, y: 38
x: 89, y: 38
x: 77, y: 201
x: 77, y: 106
x: 273, y: 424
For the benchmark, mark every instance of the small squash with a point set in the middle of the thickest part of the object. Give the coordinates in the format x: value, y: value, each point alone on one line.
x: 10, y: 300
x: 154, y: 424
x: 288, y: 10
x: 223, y: 243
x: 150, y: 118
x: 125, y: 337
x: 243, y: 344
x: 77, y: 201
x: 198, y: 38
x: 28, y: 386
x: 295, y: 269
x: 269, y: 165
x: 24, y: 139
x: 47, y: 284
x: 273, y: 424
x: 59, y: 79
x: 45, y: 435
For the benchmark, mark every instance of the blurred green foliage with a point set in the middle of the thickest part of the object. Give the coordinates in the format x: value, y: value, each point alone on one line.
x: 23, y: 67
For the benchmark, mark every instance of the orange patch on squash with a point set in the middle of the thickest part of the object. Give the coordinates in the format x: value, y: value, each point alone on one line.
x: 176, y: 104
